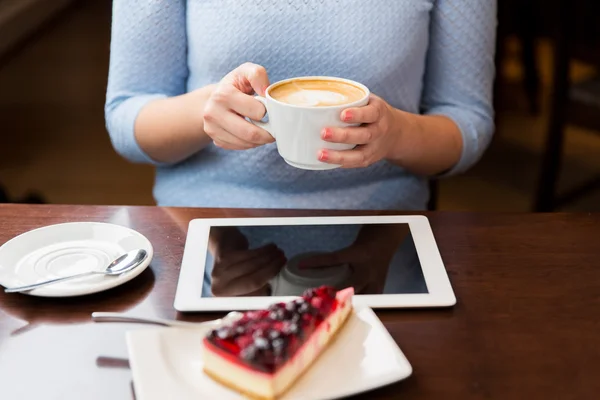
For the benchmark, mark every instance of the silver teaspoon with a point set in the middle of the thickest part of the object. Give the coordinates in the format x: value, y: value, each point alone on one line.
x: 124, y: 263
x: 118, y: 317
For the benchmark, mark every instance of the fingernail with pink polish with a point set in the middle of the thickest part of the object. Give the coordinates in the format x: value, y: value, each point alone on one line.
x: 323, y: 155
x: 326, y: 133
x: 347, y: 116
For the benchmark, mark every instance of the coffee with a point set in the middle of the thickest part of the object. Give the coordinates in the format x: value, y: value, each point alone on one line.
x: 299, y: 108
x: 316, y: 93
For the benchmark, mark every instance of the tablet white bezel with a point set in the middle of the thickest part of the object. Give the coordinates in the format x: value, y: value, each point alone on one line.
x: 189, y: 287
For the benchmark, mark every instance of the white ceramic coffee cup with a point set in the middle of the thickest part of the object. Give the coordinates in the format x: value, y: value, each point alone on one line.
x: 297, y: 129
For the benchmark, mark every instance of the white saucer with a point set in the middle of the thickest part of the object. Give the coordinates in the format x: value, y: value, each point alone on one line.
x: 67, y: 249
x: 167, y: 363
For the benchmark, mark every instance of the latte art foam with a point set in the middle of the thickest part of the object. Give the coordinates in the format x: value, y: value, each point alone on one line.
x: 316, y: 93
x: 314, y: 98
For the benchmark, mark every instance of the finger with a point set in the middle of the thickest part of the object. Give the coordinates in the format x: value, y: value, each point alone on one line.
x: 263, y: 291
x: 226, y: 140
x: 362, y: 115
x: 246, y: 260
x: 250, y: 267
x: 227, y: 146
x: 350, y: 135
x: 246, y: 106
x: 255, y: 76
x: 359, y: 157
x: 256, y: 279
x: 244, y: 130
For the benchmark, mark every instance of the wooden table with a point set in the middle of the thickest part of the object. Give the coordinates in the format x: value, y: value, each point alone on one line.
x: 526, y: 326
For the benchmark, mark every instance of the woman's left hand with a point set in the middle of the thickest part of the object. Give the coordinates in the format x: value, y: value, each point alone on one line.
x: 375, y: 138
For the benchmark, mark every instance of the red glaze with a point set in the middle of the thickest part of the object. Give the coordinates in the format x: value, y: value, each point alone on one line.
x: 264, y: 340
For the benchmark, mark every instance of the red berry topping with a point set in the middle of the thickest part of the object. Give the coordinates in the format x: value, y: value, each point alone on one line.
x: 266, y: 339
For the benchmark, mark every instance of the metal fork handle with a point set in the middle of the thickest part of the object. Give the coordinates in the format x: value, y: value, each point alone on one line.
x: 50, y: 282
x: 117, y: 317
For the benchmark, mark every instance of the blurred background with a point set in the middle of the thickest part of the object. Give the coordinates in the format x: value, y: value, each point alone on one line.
x: 545, y: 156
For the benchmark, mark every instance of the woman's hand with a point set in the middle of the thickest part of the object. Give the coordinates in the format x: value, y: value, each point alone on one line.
x: 369, y: 269
x: 230, y: 102
x: 375, y: 137
x: 422, y: 144
x: 238, y: 270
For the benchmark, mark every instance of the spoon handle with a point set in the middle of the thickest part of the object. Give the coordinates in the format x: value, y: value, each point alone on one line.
x: 117, y: 317
x: 50, y: 282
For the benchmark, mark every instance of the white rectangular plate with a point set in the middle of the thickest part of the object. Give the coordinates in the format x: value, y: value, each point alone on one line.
x: 167, y: 363
x: 189, y: 288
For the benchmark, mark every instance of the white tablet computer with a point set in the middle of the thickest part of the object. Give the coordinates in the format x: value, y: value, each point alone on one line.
x: 250, y: 263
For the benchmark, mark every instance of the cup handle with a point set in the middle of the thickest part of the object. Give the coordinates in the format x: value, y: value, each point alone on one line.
x: 265, y: 125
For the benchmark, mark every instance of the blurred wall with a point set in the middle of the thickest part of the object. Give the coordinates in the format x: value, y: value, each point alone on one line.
x: 19, y: 18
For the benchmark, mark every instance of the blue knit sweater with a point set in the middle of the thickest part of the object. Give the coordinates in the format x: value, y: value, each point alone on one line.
x: 421, y: 56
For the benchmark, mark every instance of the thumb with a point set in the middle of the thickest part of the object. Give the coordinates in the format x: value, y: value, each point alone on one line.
x: 256, y: 77
x: 324, y: 260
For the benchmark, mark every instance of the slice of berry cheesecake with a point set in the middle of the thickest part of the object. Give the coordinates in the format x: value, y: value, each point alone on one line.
x: 262, y: 354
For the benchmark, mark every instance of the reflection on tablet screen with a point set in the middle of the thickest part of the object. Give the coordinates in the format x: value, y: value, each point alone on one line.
x: 285, y: 260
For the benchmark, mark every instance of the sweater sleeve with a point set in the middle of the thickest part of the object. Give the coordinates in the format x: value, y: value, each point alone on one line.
x: 148, y: 61
x: 460, y: 69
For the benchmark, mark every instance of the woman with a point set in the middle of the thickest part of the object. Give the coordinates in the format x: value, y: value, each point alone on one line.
x: 183, y: 74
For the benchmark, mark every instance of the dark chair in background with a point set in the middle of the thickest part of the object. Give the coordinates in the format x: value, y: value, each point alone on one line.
x: 576, y: 37
x: 519, y: 18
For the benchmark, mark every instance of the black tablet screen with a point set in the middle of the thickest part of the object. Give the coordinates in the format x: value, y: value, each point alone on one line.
x: 288, y: 259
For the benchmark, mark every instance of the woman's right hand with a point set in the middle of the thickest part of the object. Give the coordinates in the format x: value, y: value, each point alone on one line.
x: 231, y: 101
